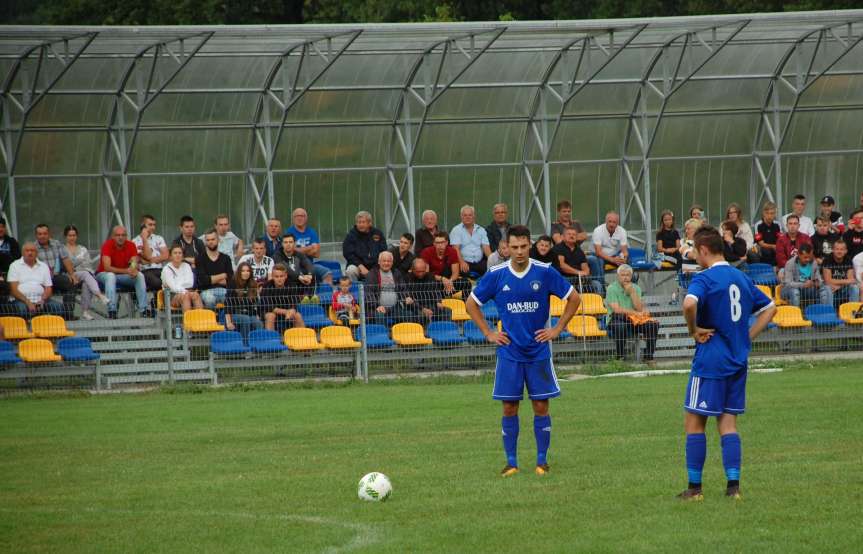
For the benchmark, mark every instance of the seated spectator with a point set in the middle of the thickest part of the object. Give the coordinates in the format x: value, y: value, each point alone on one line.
x: 425, y: 235
x: 301, y: 271
x: 823, y: 239
x: 564, y: 220
x: 309, y: 244
x: 668, y: 239
x: 229, y: 244
x: 790, y: 241
x: 470, y: 242
x: 801, y: 281
x: 838, y: 273
x: 734, y: 213
x: 278, y: 302
x: 152, y: 251
x: 688, y: 262
x: 570, y: 261
x: 241, y: 302
x: 83, y: 267
x: 30, y: 285
x: 427, y: 294
x: 500, y: 255
x: 178, y: 278
x: 610, y: 244
x: 403, y: 258
x: 832, y: 216
x: 767, y: 234
x: 192, y: 246
x: 496, y: 230
x: 735, y: 247
x: 213, y: 271
x: 442, y: 260
x: 119, y: 267
x: 261, y: 264
x: 273, y: 237
x: 345, y: 305
x: 627, y: 316
x: 798, y: 207
x: 853, y: 236
x: 541, y: 250
x: 10, y: 251
x: 386, y: 296
x: 362, y: 246
x: 854, y: 211
x: 55, y: 256
x: 696, y: 211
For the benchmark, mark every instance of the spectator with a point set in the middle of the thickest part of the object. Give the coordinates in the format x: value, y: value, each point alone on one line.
x: 30, y: 285
x: 801, y: 280
x: 213, y: 271
x: 152, y: 251
x: 564, y: 220
x: 496, y: 230
x: 823, y: 239
x: 344, y: 303
x: 470, y: 242
x: 229, y: 244
x: 857, y: 264
x: 857, y: 209
x: 570, y: 261
x: 301, y: 271
x: 178, y: 278
x: 442, y: 260
x: 386, y: 296
x: 696, y: 211
x: 403, y: 258
x: 610, y: 244
x: 688, y: 263
x: 789, y: 242
x: 261, y: 264
x: 541, y: 250
x: 425, y: 234
x: 119, y: 267
x: 500, y: 255
x: 798, y: 206
x: 668, y: 239
x: 309, y: 244
x: 853, y: 236
x: 241, y: 302
x: 10, y: 251
x: 735, y: 214
x: 83, y: 267
x: 627, y: 316
x: 427, y: 293
x: 55, y: 256
x: 192, y: 246
x: 835, y: 218
x: 838, y: 273
x: 362, y: 246
x: 767, y: 234
x: 735, y: 247
x: 278, y: 302
x: 273, y: 237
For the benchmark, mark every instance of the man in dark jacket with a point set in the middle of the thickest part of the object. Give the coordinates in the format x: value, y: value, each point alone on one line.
x: 387, y: 300
x: 301, y: 270
x: 426, y: 293
x: 496, y: 230
x: 362, y: 246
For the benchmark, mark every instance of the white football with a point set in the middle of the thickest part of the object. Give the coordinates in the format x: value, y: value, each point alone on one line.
x: 374, y: 487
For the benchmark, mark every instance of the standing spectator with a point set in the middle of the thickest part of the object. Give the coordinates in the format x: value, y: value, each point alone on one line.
x: 213, y: 271
x: 10, y: 251
x: 261, y: 264
x: 309, y: 244
x: 30, y: 285
x: 229, y: 244
x: 362, y: 246
x: 541, y: 250
x: 853, y: 237
x: 734, y: 246
x: 279, y: 302
x: 838, y: 273
x: 500, y: 255
x: 55, y: 256
x: 823, y: 239
x: 119, y: 267
x: 178, y: 278
x: 789, y: 242
x: 564, y: 220
x: 273, y: 237
x: 83, y: 266
x: 427, y: 293
x: 668, y: 239
x: 735, y: 214
x: 570, y: 261
x: 385, y: 292
x: 301, y: 271
x: 767, y: 234
x: 835, y: 218
x: 192, y: 246
x: 345, y: 305
x: 241, y: 302
x: 442, y: 260
x: 403, y: 258
x: 470, y: 242
x: 801, y: 280
x: 152, y: 251
x: 610, y: 244
x: 627, y: 316
x: 425, y: 234
x: 496, y: 230
x: 798, y: 206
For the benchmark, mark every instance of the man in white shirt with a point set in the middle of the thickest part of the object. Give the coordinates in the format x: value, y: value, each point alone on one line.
x: 153, y: 251
x: 262, y: 265
x: 30, y: 285
x: 798, y: 206
x: 610, y: 244
x: 229, y: 244
x: 470, y: 242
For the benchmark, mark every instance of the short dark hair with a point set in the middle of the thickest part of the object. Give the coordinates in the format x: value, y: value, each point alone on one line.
x: 564, y: 204
x: 518, y: 231
x: 799, y: 197
x: 442, y: 235
x: 729, y: 225
x: 840, y: 241
x: 546, y: 238
x: 211, y: 231
x: 709, y: 237
x: 289, y: 236
x: 2, y: 221
x: 344, y: 278
x: 145, y: 217
x: 259, y: 241
x: 41, y: 225
x: 805, y: 248
x: 855, y: 212
x: 408, y: 236
x: 186, y: 219
x: 280, y: 267
x: 790, y: 217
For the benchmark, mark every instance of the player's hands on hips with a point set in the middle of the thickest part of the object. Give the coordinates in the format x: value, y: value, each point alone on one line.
x: 702, y: 335
x: 498, y: 338
x: 547, y: 335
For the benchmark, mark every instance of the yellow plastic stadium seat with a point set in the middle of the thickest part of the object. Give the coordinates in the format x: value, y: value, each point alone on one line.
x: 302, y: 339
x: 591, y: 304
x: 847, y: 311
x: 410, y: 334
x: 669, y: 265
x: 15, y: 328
x: 766, y: 290
x: 201, y: 321
x: 37, y: 350
x: 337, y: 337
x: 790, y: 317
x: 50, y: 326
x: 331, y: 313
x: 584, y: 326
x: 456, y: 306
x: 777, y: 298
x: 160, y: 302
x: 557, y: 306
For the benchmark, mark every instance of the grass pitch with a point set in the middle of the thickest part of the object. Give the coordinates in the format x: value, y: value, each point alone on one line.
x: 276, y: 469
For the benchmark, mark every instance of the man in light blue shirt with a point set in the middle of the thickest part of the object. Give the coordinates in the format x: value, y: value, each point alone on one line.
x: 471, y: 243
x: 308, y: 243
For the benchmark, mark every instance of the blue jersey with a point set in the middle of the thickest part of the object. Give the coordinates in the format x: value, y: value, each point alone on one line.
x: 726, y: 298
x: 304, y: 238
x: 523, y: 304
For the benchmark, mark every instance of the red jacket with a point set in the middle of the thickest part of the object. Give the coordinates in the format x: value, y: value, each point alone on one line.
x: 786, y: 249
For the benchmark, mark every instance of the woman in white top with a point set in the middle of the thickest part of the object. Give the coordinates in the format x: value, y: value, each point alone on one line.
x: 83, y: 264
x: 744, y: 231
x: 179, y: 278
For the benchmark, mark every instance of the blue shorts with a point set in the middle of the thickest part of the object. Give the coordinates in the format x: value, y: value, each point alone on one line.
x: 510, y: 378
x: 714, y: 397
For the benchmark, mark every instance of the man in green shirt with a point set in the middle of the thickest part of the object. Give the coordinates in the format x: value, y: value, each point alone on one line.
x: 627, y: 316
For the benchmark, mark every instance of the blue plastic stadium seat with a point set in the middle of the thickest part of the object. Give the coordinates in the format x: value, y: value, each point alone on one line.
x: 564, y: 334
x: 638, y: 260
x: 489, y: 311
x: 265, y: 341
x: 228, y: 342
x: 314, y: 316
x: 378, y: 336
x: 445, y: 333
x: 762, y: 274
x: 76, y: 349
x: 325, y: 293
x: 822, y: 315
x: 473, y: 334
x: 7, y: 354
x: 334, y: 266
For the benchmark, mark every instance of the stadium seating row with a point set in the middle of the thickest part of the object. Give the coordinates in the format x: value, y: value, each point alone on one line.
x: 75, y: 349
x: 41, y: 326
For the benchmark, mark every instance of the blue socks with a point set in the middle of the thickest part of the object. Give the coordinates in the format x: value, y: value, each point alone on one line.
x: 696, y: 452
x: 509, y: 426
x: 731, y: 454
x: 542, y: 431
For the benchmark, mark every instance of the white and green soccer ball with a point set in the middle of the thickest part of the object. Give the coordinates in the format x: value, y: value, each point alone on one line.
x: 374, y: 487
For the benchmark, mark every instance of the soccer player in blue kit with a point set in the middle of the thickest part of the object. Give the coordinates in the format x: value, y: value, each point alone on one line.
x: 717, y: 307
x: 521, y: 289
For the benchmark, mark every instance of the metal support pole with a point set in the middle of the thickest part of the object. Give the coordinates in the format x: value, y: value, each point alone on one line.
x: 363, y: 336
x: 169, y: 333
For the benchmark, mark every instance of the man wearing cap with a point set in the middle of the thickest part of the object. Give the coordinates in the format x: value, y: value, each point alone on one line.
x: 827, y: 212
